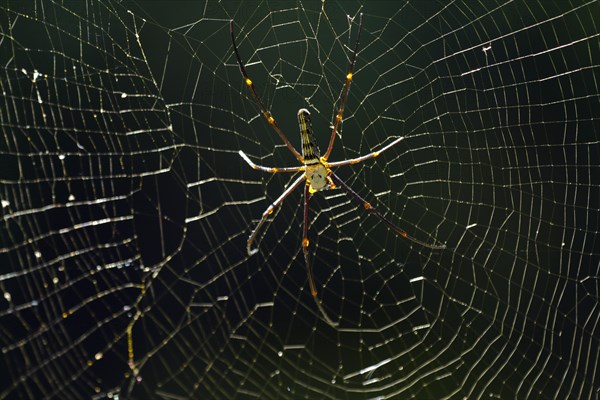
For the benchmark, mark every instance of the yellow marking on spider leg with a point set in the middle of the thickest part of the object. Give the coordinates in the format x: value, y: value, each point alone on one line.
x: 305, y: 243
x: 375, y: 154
x: 339, y: 117
x: 248, y: 82
x: 329, y: 180
x: 270, y: 119
x: 275, y: 169
x: 367, y: 206
x: 349, y: 76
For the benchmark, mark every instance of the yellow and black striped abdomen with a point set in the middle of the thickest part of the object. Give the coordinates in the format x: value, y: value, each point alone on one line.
x: 310, y: 150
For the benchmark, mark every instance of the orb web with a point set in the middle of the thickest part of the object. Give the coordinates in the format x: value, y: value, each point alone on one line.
x: 126, y: 206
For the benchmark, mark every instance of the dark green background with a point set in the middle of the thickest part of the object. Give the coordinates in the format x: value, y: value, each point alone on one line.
x: 136, y: 209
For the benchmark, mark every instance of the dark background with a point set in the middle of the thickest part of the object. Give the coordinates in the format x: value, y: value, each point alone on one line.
x: 127, y: 207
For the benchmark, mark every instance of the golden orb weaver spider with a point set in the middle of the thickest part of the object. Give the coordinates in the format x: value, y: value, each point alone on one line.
x: 315, y: 170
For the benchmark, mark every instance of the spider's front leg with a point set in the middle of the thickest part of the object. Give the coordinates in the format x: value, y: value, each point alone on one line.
x: 309, y: 271
x: 368, y: 207
x: 270, y: 211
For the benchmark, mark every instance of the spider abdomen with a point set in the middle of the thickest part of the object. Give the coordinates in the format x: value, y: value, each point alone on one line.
x: 310, y: 150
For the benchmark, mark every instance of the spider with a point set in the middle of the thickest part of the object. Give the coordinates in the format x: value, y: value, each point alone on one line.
x: 315, y: 172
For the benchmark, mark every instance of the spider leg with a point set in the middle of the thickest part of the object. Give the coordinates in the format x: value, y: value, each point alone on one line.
x: 366, y: 156
x: 267, y: 114
x: 371, y: 209
x: 344, y: 94
x: 270, y: 169
x: 269, y: 211
x: 305, y: 244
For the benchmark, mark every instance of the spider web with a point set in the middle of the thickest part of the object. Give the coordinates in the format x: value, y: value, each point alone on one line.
x: 126, y: 207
